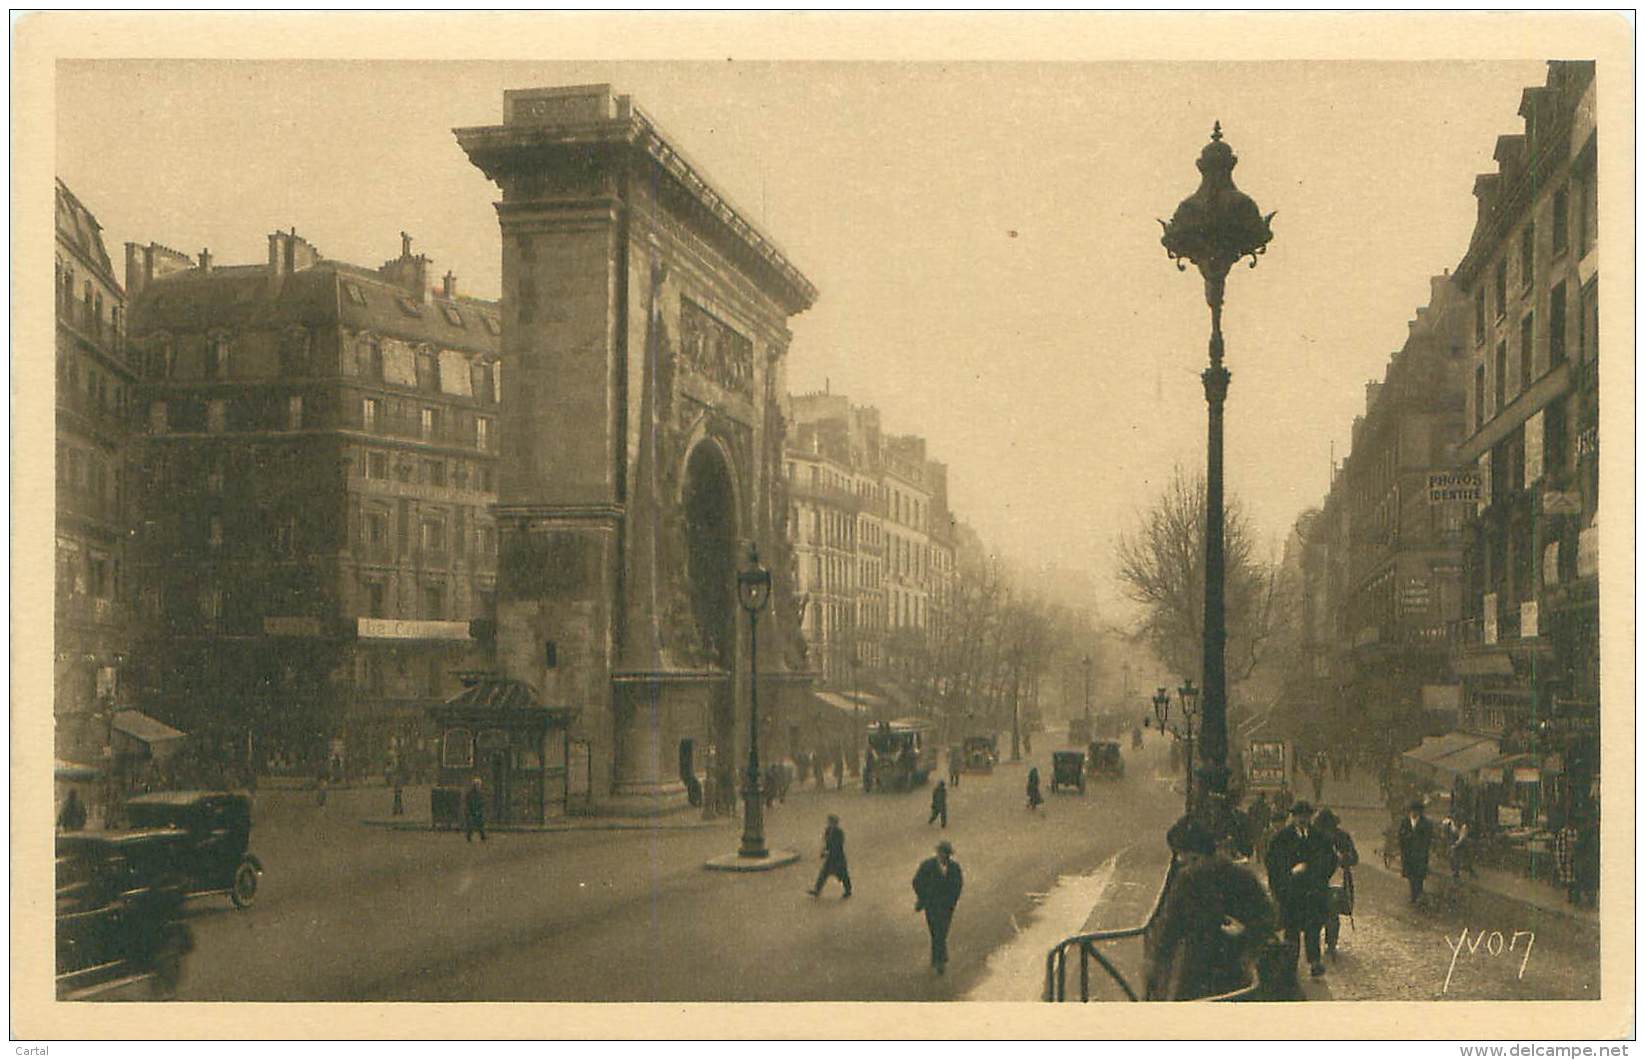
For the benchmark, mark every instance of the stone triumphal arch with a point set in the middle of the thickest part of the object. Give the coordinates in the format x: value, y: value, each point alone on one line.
x: 644, y: 344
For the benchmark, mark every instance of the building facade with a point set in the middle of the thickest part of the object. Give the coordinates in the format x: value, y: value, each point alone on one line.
x: 873, y: 539
x: 1529, y: 651
x: 96, y: 402
x: 1380, y: 564
x: 318, y: 545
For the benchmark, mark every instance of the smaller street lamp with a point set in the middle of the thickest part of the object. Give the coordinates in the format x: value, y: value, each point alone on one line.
x: 1188, y: 696
x: 1162, y: 708
x: 753, y: 593
x: 1088, y: 692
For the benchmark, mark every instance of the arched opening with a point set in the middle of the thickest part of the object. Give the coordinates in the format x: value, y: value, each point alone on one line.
x: 711, y: 539
x: 710, y: 503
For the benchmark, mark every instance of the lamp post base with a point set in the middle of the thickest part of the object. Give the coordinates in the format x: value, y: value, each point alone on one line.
x: 773, y: 859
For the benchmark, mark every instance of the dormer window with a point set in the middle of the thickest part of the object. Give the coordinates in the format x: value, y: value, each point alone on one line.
x: 408, y: 307
x: 452, y: 315
x: 354, y: 293
x: 492, y: 325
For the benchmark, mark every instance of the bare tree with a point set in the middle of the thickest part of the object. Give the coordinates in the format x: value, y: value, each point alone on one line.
x: 1162, y: 567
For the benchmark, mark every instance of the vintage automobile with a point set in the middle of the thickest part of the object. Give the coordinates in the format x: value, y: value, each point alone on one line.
x: 981, y: 754
x: 1068, y: 771
x: 1105, y: 760
x: 119, y: 903
x: 902, y: 754
x: 210, y: 852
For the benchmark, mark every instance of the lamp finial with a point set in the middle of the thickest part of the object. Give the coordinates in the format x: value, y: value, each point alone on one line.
x: 1216, y: 130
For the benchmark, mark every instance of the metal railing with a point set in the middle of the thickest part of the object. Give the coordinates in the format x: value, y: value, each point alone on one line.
x: 1056, y: 962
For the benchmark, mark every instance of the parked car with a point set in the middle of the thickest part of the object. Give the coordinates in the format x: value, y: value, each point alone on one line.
x: 119, y: 903
x: 211, y: 853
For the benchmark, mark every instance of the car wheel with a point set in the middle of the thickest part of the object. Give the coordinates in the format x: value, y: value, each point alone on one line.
x: 244, y: 890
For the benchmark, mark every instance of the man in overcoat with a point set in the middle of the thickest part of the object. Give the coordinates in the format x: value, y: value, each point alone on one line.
x: 1300, y: 862
x: 1416, y: 840
x: 937, y: 887
x: 939, y: 804
x: 833, y: 858
x: 474, y: 811
x: 1215, y: 919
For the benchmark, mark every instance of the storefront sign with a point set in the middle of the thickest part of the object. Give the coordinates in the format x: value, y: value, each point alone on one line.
x: 1509, y: 816
x: 1453, y: 486
x: 1490, y: 775
x: 1550, y: 564
x: 410, y: 629
x: 1488, y: 609
x: 1527, y: 620
x: 1527, y: 775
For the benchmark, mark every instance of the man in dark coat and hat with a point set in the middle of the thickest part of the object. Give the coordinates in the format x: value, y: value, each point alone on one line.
x: 1300, y: 863
x: 833, y: 858
x: 939, y: 804
x: 1416, y: 840
x: 937, y: 887
x: 474, y: 811
x: 1215, y: 919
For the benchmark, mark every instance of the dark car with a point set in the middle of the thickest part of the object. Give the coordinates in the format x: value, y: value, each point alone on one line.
x: 212, y: 854
x: 1068, y: 771
x: 119, y: 900
x: 1105, y: 760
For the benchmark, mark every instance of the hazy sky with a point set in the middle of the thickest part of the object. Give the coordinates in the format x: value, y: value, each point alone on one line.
x: 983, y: 235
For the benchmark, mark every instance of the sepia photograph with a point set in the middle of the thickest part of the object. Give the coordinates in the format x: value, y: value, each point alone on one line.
x: 587, y: 520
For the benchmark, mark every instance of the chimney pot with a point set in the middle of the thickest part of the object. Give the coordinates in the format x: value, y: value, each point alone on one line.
x: 205, y: 260
x: 450, y: 285
x: 405, y: 245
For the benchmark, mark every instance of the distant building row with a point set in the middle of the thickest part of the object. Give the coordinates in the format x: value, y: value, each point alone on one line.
x: 872, y: 535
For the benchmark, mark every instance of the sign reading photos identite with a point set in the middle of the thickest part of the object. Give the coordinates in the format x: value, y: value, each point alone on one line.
x: 1445, y: 486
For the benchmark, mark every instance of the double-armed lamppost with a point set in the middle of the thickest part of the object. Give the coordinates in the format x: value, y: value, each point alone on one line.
x: 1188, y: 698
x: 753, y: 593
x: 1213, y: 229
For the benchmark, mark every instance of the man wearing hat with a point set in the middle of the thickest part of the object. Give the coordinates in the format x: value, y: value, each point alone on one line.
x: 1300, y: 863
x: 1416, y: 839
x: 936, y: 891
x: 1216, y: 918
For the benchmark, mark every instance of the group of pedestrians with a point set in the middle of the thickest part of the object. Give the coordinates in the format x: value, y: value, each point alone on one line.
x: 1218, y: 919
x: 937, y: 885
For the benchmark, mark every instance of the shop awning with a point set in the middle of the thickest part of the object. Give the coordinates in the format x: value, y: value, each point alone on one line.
x: 72, y: 771
x: 144, y: 729
x: 850, y: 704
x: 1455, y: 753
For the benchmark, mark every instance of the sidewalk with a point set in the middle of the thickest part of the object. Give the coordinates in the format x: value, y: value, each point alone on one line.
x: 1360, y: 804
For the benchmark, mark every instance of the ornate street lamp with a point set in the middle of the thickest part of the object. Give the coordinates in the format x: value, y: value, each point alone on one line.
x: 1188, y: 696
x: 753, y: 593
x: 1162, y: 709
x: 1213, y: 228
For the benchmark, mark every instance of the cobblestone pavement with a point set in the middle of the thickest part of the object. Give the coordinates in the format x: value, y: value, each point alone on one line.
x: 1458, y: 944
x: 1391, y: 951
